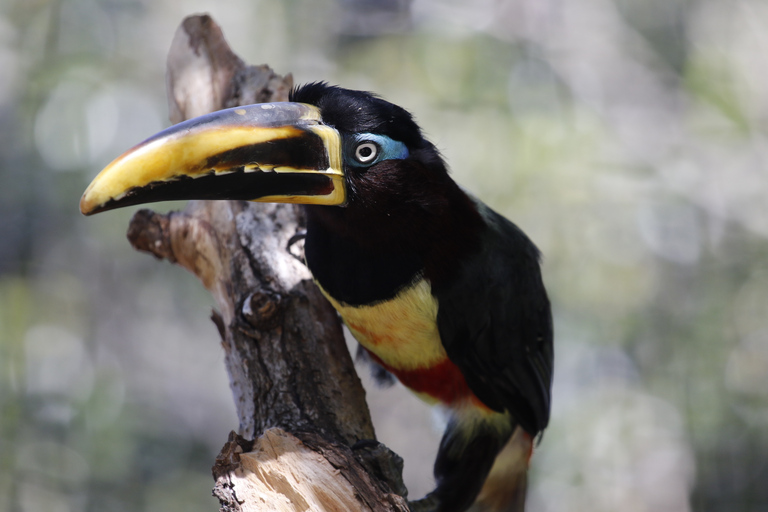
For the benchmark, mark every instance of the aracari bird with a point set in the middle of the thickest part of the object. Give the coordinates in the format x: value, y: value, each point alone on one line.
x: 440, y: 290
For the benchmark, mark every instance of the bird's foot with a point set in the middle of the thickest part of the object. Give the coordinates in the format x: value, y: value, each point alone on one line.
x: 297, y: 251
x: 428, y: 503
x: 365, y: 443
x: 383, y: 463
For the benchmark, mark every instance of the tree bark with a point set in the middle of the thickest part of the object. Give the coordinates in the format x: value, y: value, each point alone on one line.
x: 299, y: 401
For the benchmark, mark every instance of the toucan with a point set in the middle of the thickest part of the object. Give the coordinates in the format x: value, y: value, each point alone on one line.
x: 440, y: 290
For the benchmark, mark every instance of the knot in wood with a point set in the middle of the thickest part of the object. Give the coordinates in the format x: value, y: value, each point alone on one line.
x: 262, y: 309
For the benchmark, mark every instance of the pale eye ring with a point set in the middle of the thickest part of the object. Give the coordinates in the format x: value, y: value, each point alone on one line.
x: 366, y: 152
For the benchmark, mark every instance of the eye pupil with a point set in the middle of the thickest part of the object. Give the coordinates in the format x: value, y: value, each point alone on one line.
x: 366, y: 152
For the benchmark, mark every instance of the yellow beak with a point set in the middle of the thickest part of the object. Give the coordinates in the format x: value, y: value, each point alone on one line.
x: 270, y: 152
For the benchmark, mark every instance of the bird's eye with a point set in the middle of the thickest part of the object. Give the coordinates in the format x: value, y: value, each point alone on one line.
x: 362, y: 150
x: 366, y: 152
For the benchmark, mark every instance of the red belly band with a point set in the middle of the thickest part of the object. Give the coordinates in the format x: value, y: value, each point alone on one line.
x: 442, y: 381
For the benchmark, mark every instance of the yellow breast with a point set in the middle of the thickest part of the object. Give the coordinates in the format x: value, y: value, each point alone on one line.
x: 402, y: 332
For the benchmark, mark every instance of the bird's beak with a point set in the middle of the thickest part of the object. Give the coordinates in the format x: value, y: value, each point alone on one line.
x: 271, y: 152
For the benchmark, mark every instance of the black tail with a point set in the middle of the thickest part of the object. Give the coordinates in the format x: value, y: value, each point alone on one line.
x: 463, y: 462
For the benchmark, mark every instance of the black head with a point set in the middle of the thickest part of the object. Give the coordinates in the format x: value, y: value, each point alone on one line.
x: 409, y: 180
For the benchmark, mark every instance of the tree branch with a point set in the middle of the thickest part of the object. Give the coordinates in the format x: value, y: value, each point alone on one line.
x: 294, y: 384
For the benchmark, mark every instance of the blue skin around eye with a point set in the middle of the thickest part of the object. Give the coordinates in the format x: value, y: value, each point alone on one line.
x: 389, y: 149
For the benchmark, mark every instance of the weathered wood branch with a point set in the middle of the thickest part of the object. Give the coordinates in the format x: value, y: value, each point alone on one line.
x: 295, y: 388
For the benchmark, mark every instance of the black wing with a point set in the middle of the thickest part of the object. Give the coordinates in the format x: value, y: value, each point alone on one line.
x: 496, y: 324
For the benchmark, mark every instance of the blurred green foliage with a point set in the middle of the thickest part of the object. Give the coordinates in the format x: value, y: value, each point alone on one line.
x: 627, y: 137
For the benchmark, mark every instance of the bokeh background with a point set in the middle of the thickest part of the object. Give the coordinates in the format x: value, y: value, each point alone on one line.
x: 627, y: 137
